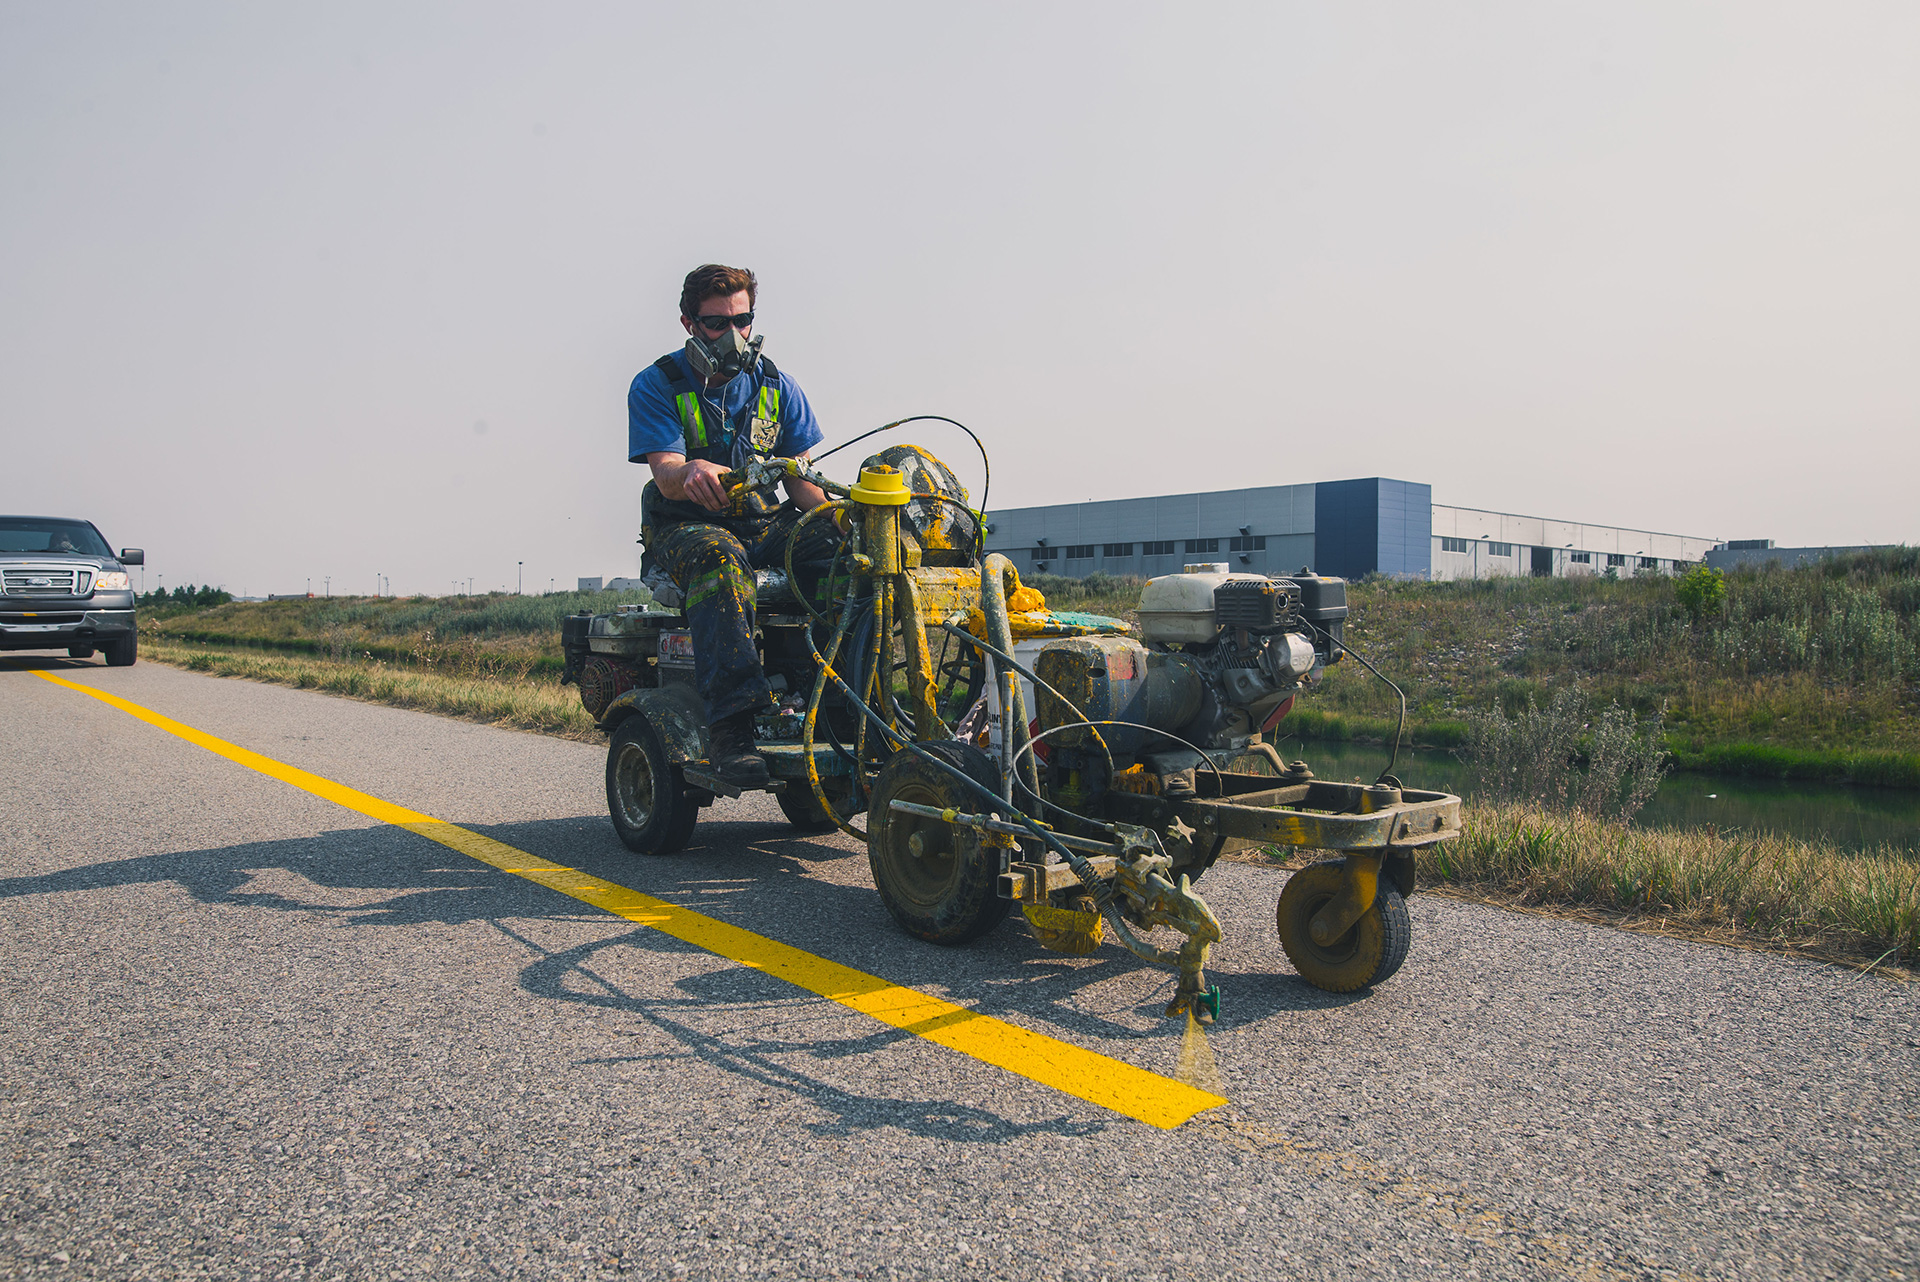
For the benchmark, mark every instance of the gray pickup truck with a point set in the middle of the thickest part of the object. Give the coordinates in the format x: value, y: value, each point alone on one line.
x: 62, y: 588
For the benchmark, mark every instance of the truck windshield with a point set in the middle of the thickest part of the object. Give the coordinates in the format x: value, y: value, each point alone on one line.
x: 25, y: 534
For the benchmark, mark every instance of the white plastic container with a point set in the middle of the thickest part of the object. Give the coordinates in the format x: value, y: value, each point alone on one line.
x: 1027, y: 652
x: 1177, y: 609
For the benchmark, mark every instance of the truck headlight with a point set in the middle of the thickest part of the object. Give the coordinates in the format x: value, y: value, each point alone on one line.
x: 112, y: 581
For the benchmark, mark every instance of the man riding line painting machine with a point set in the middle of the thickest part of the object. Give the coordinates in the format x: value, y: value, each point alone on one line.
x: 856, y: 653
x: 693, y: 417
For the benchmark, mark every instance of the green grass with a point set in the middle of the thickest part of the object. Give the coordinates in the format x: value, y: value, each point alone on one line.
x: 1811, y: 673
x: 1881, y: 769
x: 522, y: 703
x: 495, y: 635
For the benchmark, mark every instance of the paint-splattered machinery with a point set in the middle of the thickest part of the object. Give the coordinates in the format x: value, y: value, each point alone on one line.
x: 994, y: 753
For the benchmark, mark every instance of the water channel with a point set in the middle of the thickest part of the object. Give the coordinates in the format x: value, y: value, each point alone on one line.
x: 1854, y: 818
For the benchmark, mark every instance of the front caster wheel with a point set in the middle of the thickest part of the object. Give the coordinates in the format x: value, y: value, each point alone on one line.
x: 645, y: 797
x: 940, y: 881
x: 1370, y: 950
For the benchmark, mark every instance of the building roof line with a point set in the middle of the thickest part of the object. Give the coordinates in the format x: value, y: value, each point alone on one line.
x: 1600, y: 525
x: 1201, y: 494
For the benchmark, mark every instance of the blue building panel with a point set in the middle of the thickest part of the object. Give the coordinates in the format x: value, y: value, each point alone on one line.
x: 1406, y: 529
x: 1349, y: 528
x: 1346, y: 527
x: 1373, y: 525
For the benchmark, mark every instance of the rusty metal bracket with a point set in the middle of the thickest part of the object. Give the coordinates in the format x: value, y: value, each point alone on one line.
x: 1355, y: 898
x: 1316, y: 815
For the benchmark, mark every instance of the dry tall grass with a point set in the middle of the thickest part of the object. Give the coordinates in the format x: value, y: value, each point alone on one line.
x: 1766, y: 890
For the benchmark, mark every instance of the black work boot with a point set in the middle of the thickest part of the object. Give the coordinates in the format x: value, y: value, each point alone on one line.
x: 732, y: 754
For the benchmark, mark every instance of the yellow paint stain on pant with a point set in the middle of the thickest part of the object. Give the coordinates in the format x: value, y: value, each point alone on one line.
x: 1083, y: 1074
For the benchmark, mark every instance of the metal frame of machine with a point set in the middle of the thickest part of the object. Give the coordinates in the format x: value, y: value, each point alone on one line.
x: 1142, y: 761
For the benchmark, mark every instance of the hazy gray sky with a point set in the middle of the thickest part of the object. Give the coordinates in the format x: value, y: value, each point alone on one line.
x: 331, y: 290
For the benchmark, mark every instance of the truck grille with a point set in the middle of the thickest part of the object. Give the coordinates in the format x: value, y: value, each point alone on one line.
x: 42, y: 616
x: 65, y: 581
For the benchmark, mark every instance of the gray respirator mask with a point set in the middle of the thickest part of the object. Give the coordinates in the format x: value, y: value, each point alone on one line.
x: 723, y: 357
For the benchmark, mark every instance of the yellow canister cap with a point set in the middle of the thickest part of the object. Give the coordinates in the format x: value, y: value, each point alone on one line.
x: 881, y: 486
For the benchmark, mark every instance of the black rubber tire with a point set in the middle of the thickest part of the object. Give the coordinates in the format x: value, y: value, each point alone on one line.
x: 950, y: 893
x: 802, y: 808
x: 79, y: 652
x: 121, y: 651
x: 646, y: 798
x: 1370, y: 951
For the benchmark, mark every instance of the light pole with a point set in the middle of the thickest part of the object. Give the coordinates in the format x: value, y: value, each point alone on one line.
x: 309, y: 585
x: 519, y: 576
x: 329, y: 582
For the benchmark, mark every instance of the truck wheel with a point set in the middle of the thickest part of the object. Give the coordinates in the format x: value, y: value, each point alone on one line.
x: 79, y: 652
x: 940, y: 882
x: 802, y: 808
x: 122, y: 650
x: 645, y: 796
x: 1370, y: 950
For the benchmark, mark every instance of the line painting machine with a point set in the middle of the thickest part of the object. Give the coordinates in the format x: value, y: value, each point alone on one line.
x: 1006, y: 754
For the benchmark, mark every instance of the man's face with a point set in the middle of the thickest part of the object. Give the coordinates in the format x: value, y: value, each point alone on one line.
x: 713, y: 320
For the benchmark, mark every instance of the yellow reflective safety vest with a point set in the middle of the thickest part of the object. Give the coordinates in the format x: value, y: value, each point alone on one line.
x: 704, y: 430
x: 705, y: 434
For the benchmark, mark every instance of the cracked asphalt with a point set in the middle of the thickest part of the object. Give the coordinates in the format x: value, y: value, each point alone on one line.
x: 250, y: 1034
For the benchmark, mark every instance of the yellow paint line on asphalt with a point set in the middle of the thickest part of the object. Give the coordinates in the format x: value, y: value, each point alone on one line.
x: 1098, y: 1079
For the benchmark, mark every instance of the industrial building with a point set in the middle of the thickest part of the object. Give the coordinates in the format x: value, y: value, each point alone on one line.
x: 1372, y: 525
x: 1760, y: 553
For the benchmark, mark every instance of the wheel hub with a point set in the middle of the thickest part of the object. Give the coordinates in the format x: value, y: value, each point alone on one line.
x: 633, y: 785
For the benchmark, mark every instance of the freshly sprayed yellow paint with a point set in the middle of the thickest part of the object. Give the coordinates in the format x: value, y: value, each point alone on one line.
x: 1134, y: 1092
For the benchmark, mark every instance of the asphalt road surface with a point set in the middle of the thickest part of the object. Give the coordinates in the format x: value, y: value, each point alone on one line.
x: 254, y: 1033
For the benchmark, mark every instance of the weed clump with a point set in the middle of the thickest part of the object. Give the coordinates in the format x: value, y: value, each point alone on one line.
x: 1567, y: 756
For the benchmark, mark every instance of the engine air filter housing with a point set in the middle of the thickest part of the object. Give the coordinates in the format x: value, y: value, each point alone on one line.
x: 1258, y: 605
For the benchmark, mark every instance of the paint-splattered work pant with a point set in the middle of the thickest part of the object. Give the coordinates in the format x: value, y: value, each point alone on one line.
x: 713, y: 567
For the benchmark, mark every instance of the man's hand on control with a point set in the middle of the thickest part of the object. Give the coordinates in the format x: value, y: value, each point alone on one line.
x: 689, y: 480
x: 700, y: 480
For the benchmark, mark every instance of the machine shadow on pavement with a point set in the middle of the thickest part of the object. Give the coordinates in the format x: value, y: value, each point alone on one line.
x: 752, y: 1053
x: 755, y: 875
x: 812, y: 893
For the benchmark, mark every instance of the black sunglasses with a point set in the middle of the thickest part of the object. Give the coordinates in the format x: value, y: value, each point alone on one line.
x: 718, y: 324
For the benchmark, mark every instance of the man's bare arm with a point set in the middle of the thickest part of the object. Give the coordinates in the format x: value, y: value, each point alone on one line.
x: 805, y: 493
x: 684, y: 480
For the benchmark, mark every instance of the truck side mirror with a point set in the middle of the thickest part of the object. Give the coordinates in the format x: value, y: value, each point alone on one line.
x: 132, y: 556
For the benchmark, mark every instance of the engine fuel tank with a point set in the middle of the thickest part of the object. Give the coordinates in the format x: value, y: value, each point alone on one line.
x: 1116, y: 678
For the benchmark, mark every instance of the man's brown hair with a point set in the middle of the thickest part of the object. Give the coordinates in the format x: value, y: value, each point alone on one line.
x: 711, y: 280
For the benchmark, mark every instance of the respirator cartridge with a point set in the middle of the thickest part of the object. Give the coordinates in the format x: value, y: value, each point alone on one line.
x: 723, y: 357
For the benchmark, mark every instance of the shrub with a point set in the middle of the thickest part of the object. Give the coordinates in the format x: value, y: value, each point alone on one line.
x: 1566, y: 756
x: 1702, y: 591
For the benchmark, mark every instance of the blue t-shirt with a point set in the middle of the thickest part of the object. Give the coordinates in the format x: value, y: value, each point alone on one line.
x: 653, y: 420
